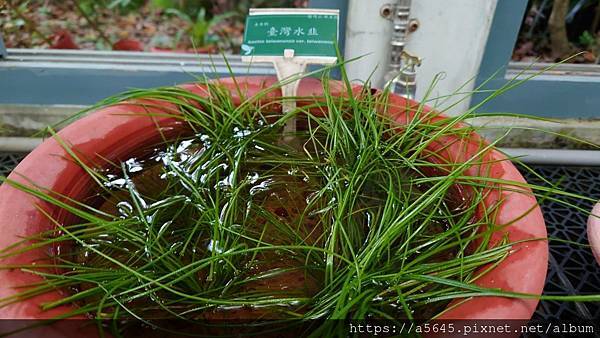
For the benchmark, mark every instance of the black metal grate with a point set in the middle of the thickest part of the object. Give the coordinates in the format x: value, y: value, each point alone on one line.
x: 572, y: 268
x: 8, y: 161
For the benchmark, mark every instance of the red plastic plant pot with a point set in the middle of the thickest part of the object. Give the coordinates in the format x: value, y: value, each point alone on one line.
x: 117, y: 132
x: 594, y: 231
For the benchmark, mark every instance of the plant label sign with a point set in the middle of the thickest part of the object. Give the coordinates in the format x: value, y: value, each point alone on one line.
x: 309, y: 33
x: 291, y: 39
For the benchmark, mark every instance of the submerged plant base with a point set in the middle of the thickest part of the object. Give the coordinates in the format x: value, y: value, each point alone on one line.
x: 275, y: 204
x: 359, y: 215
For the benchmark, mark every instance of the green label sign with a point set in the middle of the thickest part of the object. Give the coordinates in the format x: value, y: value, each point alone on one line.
x: 307, y: 32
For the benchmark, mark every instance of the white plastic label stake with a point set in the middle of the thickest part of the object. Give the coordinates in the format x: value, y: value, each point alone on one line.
x: 286, y: 68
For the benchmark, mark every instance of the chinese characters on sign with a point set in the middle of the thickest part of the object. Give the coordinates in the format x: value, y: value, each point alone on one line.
x: 289, y: 31
x: 307, y: 34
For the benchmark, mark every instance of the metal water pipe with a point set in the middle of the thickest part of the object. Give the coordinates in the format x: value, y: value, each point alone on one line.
x: 402, y: 72
x: 368, y: 37
x: 377, y: 31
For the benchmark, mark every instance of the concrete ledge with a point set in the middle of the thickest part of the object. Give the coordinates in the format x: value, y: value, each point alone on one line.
x: 26, y: 120
x: 527, y: 133
x: 19, y: 144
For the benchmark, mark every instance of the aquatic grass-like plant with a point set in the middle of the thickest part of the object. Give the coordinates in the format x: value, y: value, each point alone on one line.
x: 353, y: 216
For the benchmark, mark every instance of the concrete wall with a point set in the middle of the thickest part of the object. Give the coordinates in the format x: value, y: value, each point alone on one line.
x: 368, y: 37
x: 451, y: 38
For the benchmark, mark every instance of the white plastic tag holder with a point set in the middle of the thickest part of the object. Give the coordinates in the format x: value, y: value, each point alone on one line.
x: 289, y: 66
